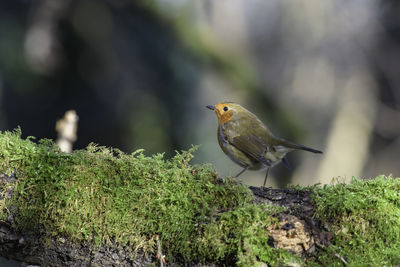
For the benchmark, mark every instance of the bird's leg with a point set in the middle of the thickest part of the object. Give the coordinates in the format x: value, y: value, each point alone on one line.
x: 266, y: 176
x: 242, y: 171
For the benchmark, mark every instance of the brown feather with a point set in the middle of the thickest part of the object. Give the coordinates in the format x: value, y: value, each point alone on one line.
x: 283, y: 142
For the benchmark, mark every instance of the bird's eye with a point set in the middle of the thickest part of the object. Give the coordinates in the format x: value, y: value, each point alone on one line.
x: 225, y: 108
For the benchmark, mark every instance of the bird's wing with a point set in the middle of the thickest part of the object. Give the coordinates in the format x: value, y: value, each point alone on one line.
x: 251, y: 145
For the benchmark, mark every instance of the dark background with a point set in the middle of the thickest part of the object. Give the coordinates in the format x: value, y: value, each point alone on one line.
x: 140, y: 73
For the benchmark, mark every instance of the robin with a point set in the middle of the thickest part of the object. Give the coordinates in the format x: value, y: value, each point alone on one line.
x: 248, y: 142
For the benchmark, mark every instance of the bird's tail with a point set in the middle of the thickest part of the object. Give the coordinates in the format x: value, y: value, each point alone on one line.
x: 297, y: 146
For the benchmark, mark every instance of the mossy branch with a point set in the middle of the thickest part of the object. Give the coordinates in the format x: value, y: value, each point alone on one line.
x: 100, y: 206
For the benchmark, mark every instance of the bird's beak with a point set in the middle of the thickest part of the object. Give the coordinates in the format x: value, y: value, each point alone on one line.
x: 212, y: 107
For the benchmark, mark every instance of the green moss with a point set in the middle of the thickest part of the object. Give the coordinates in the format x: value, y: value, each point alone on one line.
x: 104, y: 196
x: 241, y: 235
x: 364, y: 218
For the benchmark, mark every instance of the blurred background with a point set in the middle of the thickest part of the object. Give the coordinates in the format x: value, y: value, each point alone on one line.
x: 139, y: 74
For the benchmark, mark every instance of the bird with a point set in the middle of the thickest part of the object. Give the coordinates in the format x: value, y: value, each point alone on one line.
x: 248, y: 142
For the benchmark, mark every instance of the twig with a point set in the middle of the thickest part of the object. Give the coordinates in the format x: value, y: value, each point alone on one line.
x: 341, y: 258
x: 160, y: 256
x: 335, y: 254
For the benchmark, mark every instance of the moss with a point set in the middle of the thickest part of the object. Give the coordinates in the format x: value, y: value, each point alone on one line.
x: 241, y: 235
x: 105, y: 196
x: 364, y: 218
